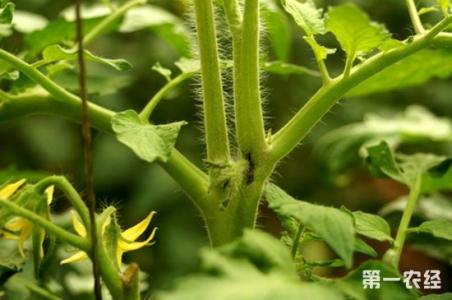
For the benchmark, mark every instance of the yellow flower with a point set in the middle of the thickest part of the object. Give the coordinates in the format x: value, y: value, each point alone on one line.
x: 19, y: 224
x: 126, y: 240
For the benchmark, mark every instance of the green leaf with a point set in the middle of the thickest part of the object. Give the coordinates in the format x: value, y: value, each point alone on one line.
x: 363, y: 247
x: 413, y: 70
x: 372, y: 226
x: 26, y: 22
x: 6, y: 13
x: 55, y: 53
x: 229, y: 273
x: 149, y: 142
x: 437, y: 228
x: 320, y: 52
x: 340, y: 147
x: 263, y: 250
x: 162, y: 71
x: 352, y: 284
x: 306, y: 15
x: 356, y: 33
x: 406, y: 168
x: 188, y: 66
x: 333, y: 225
x: 445, y: 6
x: 160, y: 21
x: 278, y: 29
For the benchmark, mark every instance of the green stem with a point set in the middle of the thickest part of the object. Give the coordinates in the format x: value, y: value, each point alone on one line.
x: 248, y: 107
x: 414, y: 16
x: 214, y: 110
x: 393, y: 255
x: 234, y: 16
x: 64, y: 235
x: 63, y: 184
x: 287, y: 138
x: 192, y: 180
x: 155, y: 100
x: 105, y: 23
x: 296, y: 240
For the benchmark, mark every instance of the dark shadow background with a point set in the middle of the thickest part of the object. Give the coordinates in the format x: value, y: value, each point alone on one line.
x: 53, y: 144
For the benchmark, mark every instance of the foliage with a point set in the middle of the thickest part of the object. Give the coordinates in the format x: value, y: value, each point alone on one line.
x: 354, y: 56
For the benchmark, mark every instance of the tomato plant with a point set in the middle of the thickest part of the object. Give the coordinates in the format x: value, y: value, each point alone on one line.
x: 354, y: 57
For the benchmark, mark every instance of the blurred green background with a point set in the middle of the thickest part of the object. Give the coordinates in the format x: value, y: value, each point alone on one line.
x: 53, y: 145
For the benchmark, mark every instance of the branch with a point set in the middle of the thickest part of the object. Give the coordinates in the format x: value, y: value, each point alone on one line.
x: 233, y: 16
x: 287, y: 138
x: 145, y: 114
x: 414, y: 16
x: 215, y: 126
x: 193, y: 181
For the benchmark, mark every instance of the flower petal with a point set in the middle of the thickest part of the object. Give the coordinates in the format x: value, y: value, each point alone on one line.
x: 78, y: 226
x: 126, y: 246
x: 49, y: 193
x: 79, y: 256
x: 15, y: 224
x: 134, y: 232
x: 24, y: 235
x: 8, y: 236
x: 11, y: 188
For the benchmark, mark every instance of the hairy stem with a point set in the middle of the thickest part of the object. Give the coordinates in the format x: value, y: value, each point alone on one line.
x: 64, y: 235
x: 287, y: 138
x: 247, y: 101
x: 217, y: 139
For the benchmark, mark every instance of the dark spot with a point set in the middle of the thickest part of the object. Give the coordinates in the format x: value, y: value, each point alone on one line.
x: 250, y: 170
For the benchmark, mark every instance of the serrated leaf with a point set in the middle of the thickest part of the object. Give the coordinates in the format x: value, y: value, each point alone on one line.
x: 148, y: 142
x: 437, y: 228
x: 278, y: 29
x: 372, y: 226
x: 55, y: 53
x: 333, y: 225
x: 353, y: 29
x: 306, y: 15
x: 413, y: 70
x: 162, y: 71
x: 229, y: 273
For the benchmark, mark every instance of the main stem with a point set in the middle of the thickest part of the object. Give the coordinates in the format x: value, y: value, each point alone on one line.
x: 216, y: 133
